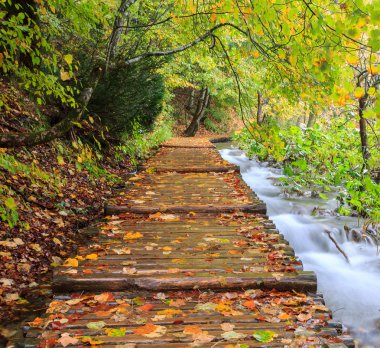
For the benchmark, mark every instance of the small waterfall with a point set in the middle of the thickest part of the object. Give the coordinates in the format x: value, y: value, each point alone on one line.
x: 351, y: 290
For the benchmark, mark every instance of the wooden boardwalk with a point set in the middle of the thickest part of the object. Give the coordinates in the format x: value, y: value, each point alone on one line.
x: 185, y: 257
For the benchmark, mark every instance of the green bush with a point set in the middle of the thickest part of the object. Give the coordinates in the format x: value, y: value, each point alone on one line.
x: 128, y: 95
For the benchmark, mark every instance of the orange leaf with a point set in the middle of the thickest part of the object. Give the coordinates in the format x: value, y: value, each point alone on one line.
x: 283, y: 316
x: 104, y: 297
x: 192, y: 330
x: 36, y: 322
x: 146, y: 307
x: 146, y: 329
x: 249, y: 304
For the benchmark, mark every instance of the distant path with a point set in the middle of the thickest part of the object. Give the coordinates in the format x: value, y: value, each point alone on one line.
x: 185, y: 257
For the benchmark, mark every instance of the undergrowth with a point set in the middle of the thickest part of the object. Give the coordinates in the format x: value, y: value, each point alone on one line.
x: 321, y: 158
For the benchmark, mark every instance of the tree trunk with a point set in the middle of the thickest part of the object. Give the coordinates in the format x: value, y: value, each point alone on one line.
x: 311, y: 120
x: 117, y: 30
x: 190, y: 103
x: 203, y: 100
x: 259, y: 108
x: 363, y: 130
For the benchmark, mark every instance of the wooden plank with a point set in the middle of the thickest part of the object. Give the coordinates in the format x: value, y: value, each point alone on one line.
x: 249, y: 208
x: 304, y: 281
x: 191, y: 169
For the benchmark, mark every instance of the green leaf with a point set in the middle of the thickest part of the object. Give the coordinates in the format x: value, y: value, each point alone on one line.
x: 301, y: 164
x: 264, y: 336
x: 96, y: 325
x: 68, y: 58
x: 10, y: 203
x: 323, y: 196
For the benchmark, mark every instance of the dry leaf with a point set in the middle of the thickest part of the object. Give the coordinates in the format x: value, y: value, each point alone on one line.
x: 66, y: 340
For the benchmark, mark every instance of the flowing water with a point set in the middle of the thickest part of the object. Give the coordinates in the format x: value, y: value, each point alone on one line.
x: 352, y: 291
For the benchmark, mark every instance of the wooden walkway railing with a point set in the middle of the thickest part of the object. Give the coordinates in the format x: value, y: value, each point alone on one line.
x: 185, y: 257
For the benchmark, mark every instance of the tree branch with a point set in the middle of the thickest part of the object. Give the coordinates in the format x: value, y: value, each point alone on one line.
x: 184, y: 47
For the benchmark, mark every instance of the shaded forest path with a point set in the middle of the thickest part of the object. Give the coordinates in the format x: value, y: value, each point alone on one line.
x: 185, y: 257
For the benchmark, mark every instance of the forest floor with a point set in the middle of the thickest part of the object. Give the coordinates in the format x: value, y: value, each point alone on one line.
x: 55, y: 197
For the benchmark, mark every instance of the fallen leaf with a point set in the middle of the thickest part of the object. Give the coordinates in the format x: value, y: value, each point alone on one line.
x: 104, y: 297
x: 37, y: 322
x: 96, y: 325
x: 92, y: 257
x: 233, y: 335
x: 150, y: 330
x: 192, y: 330
x: 66, y: 340
x: 118, y: 332
x: 71, y: 263
x: 283, y: 316
x: 133, y: 235
x: 304, y: 317
x: 264, y: 336
x: 203, y: 338
x: 249, y: 304
x: 227, y: 326
x: 146, y: 307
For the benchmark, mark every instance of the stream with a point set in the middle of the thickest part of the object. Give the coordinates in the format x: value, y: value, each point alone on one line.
x: 352, y: 291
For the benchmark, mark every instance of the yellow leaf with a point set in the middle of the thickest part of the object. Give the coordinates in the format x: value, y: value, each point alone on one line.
x: 359, y: 92
x: 133, y: 235
x: 256, y: 54
x: 65, y: 75
x: 92, y: 257
x: 71, y: 263
x: 352, y: 60
x: 179, y: 261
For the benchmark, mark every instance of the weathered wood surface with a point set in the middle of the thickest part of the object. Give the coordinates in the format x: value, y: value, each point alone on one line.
x: 186, y: 160
x: 189, y: 260
x: 183, y: 318
x: 168, y: 251
x: 193, y: 143
x: 186, y: 192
